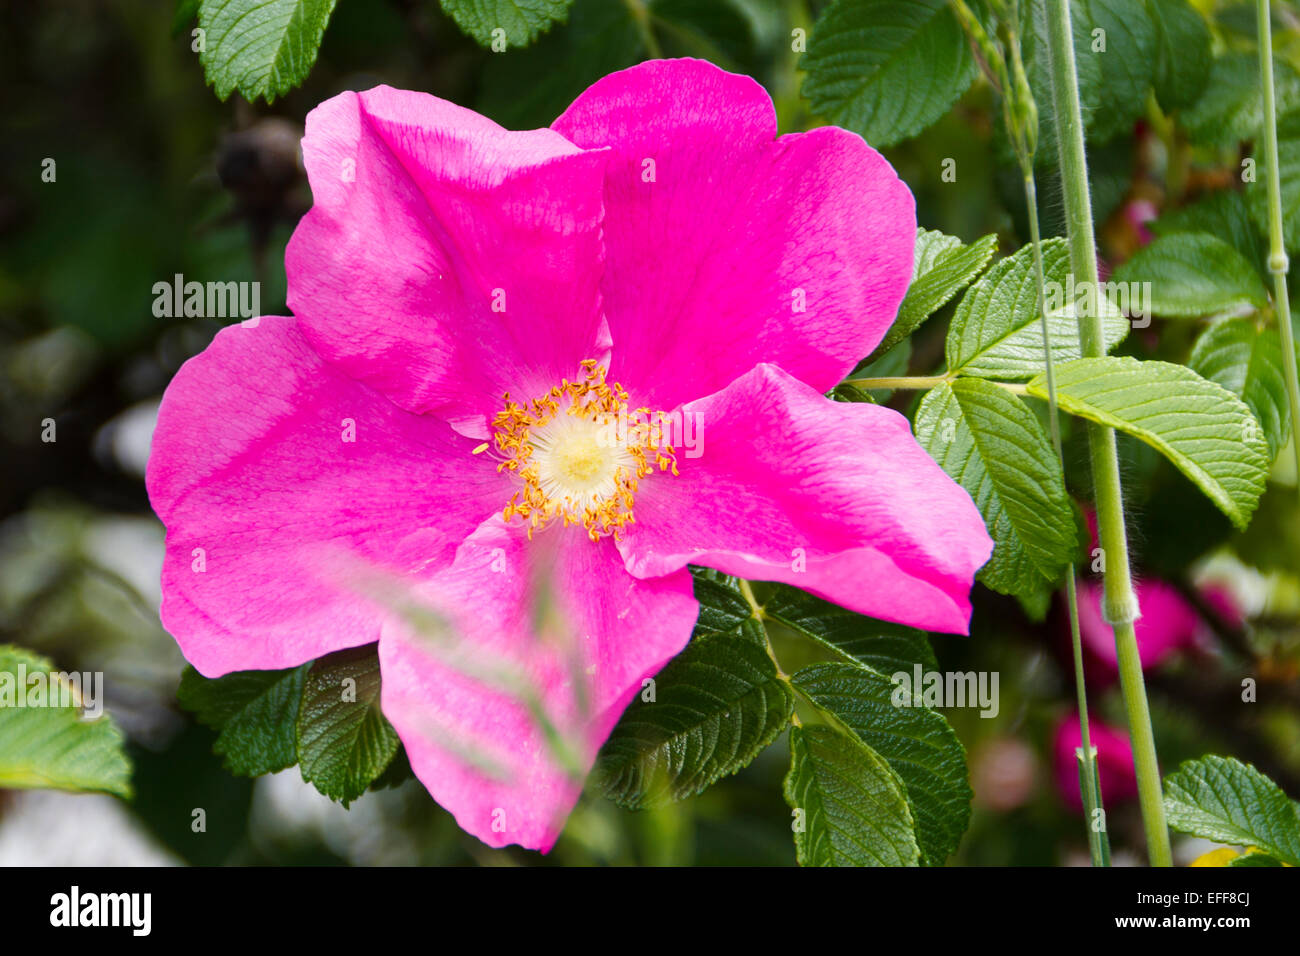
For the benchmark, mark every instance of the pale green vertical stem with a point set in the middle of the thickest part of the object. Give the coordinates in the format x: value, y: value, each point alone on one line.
x: 1277, y: 261
x: 1119, y: 605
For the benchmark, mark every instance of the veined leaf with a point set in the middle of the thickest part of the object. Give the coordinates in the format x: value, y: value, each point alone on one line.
x: 1223, y: 214
x: 714, y: 708
x: 886, y: 69
x: 344, y: 742
x: 941, y: 268
x: 260, y: 47
x: 1224, y: 800
x: 1207, y: 432
x: 522, y: 20
x: 1247, y: 361
x: 1288, y: 158
x: 256, y: 713
x: 1193, y: 274
x: 917, y: 743
x: 854, y: 637
x: 45, y: 746
x: 992, y: 445
x: 850, y: 807
x: 996, y: 331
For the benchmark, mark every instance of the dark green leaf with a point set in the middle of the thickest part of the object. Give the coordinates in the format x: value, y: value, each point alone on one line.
x: 886, y: 69
x: 1194, y: 274
x: 1183, y: 53
x: 1247, y: 360
x: 344, y: 742
x: 1222, y: 799
x: 262, y: 48
x: 521, y: 20
x: 714, y: 708
x: 916, y: 742
x: 256, y: 713
x: 850, y: 808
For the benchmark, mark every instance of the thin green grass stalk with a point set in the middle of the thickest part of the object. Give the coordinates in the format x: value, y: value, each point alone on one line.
x: 1277, y: 260
x: 1119, y: 604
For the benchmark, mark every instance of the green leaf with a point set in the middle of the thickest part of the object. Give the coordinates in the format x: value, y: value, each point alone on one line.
x: 260, y: 47
x: 723, y: 609
x: 522, y: 20
x: 256, y: 713
x: 1207, y: 432
x: 854, y: 637
x: 714, y: 708
x: 916, y: 742
x: 996, y: 331
x: 1194, y: 274
x: 344, y: 742
x: 1232, y: 108
x: 850, y: 806
x: 1183, y: 53
x: 942, y: 267
x: 1256, y: 859
x: 1222, y: 799
x: 46, y: 746
x: 992, y: 445
x: 886, y: 69
x: 1223, y: 214
x: 1247, y: 361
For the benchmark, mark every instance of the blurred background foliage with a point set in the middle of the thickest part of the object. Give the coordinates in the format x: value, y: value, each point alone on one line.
x: 155, y: 176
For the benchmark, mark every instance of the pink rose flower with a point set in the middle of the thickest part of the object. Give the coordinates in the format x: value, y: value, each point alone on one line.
x: 471, y: 307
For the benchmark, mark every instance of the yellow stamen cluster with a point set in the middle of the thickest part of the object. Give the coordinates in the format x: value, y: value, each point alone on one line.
x: 575, y: 464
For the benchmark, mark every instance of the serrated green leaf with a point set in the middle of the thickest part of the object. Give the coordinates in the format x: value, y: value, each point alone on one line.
x: 1183, y: 53
x: 996, y: 331
x: 854, y: 637
x: 344, y: 742
x: 1202, y: 428
x: 262, y: 48
x: 256, y: 713
x: 916, y: 742
x: 992, y: 445
x: 1232, y: 108
x: 723, y: 609
x: 942, y: 267
x: 522, y: 20
x: 48, y: 746
x: 851, y: 807
x: 1255, y: 859
x: 716, y: 706
x: 1247, y: 361
x: 886, y: 69
x: 1222, y: 799
x: 1194, y: 274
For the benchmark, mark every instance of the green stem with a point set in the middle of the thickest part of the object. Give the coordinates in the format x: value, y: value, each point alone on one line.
x: 902, y: 382
x: 1277, y: 260
x: 1119, y: 605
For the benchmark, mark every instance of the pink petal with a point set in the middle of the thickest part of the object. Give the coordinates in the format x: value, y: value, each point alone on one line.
x: 788, y: 478
x: 250, y: 464
x: 558, y: 616
x: 707, y: 265
x: 427, y: 217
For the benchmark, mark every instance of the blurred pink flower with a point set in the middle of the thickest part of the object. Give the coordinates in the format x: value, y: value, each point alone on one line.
x: 1114, y: 761
x: 469, y: 304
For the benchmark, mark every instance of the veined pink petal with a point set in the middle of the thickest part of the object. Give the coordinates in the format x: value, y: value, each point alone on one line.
x: 446, y: 260
x: 837, y: 499
x: 557, y: 618
x: 280, y: 482
x: 726, y: 246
